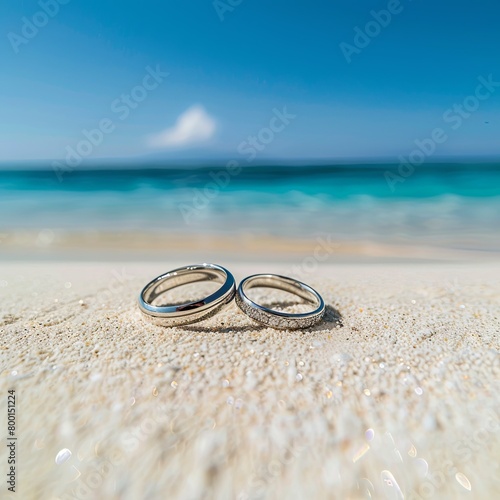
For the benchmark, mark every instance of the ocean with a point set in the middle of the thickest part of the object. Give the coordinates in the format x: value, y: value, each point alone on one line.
x: 454, y: 205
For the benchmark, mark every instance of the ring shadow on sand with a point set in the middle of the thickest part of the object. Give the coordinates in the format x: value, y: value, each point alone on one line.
x: 331, y: 319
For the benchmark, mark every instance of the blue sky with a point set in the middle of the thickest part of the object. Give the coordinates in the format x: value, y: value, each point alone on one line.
x: 227, y: 77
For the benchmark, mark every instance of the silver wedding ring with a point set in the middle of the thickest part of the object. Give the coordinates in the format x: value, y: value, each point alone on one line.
x: 190, y: 312
x: 160, y: 313
x: 278, y: 319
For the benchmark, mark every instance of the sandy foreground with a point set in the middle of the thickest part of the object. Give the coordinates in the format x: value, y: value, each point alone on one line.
x: 395, y: 395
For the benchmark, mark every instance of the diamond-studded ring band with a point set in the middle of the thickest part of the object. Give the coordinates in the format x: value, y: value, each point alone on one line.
x: 155, y: 310
x: 278, y: 319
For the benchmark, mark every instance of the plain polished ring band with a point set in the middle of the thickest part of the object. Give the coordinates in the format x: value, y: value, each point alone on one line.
x: 190, y: 312
x: 278, y: 319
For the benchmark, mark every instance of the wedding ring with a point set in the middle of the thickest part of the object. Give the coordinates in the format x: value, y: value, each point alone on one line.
x: 190, y: 312
x: 278, y: 319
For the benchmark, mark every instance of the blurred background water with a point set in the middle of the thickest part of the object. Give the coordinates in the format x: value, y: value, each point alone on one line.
x: 447, y: 205
x: 141, y: 108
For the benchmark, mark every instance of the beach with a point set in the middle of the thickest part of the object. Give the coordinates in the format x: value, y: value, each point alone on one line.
x: 165, y: 142
x: 393, y: 395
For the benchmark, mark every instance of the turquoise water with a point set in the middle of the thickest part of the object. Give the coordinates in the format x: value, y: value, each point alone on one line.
x: 454, y: 203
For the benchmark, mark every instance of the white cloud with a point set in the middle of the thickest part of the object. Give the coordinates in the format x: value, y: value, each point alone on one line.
x: 193, y: 126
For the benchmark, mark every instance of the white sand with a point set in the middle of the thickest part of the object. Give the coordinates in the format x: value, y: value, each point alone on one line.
x: 397, y: 400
